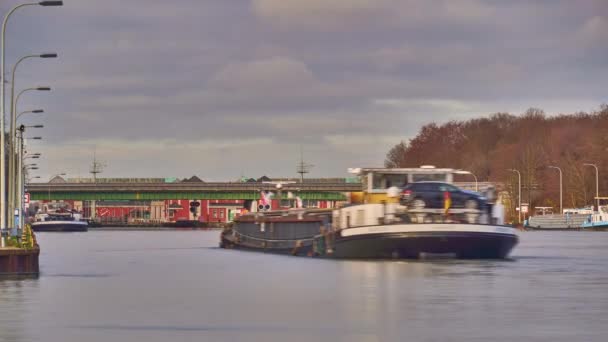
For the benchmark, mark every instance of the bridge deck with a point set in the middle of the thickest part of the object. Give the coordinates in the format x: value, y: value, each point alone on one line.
x: 161, y: 191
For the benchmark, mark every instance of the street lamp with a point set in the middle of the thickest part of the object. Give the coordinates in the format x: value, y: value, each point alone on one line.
x: 3, y: 215
x: 28, y: 89
x: 13, y: 102
x: 21, y: 171
x: 597, y: 186
x: 12, y: 162
x: 519, y: 193
x: 561, y: 209
x: 35, y: 111
x: 464, y: 172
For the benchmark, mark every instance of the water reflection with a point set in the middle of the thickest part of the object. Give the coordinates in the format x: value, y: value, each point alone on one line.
x: 16, y: 296
x: 133, y: 286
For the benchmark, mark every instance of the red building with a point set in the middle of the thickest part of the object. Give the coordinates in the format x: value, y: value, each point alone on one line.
x: 130, y: 212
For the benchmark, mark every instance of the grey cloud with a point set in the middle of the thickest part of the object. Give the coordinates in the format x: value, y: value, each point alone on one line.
x: 214, y: 85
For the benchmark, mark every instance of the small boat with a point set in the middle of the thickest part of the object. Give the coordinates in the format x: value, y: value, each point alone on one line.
x: 377, y: 226
x: 59, y: 220
x: 597, y: 220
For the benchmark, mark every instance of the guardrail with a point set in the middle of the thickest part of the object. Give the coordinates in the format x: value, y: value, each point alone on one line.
x: 146, y: 187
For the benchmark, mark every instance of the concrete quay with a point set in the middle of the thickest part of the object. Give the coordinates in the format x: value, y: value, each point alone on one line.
x: 19, y: 261
x: 20, y: 258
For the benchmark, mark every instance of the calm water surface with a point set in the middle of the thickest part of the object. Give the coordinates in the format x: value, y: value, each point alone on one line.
x: 178, y: 286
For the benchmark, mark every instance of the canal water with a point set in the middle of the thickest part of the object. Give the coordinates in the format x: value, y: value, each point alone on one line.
x: 178, y: 286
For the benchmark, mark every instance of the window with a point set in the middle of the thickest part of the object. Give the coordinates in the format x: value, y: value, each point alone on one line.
x: 447, y: 187
x: 437, y: 177
x: 396, y: 180
x: 214, y: 213
x: 426, y: 187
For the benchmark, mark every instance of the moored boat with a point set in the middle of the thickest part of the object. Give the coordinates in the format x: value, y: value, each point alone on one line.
x: 597, y: 220
x: 59, y: 221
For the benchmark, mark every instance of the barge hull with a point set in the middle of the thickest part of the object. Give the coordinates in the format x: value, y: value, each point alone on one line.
x: 59, y: 227
x: 274, y: 247
x: 461, y: 245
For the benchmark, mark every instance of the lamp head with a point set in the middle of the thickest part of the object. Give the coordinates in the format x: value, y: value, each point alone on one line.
x: 50, y: 3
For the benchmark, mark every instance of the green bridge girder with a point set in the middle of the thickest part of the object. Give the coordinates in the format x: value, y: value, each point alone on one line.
x: 171, y: 195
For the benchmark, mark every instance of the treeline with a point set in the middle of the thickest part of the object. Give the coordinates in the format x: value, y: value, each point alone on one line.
x: 530, y: 143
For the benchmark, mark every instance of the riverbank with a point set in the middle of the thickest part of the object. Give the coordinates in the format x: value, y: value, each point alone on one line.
x: 19, y: 261
x: 19, y: 255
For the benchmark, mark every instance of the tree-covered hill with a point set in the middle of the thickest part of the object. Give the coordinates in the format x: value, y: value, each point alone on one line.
x: 530, y: 143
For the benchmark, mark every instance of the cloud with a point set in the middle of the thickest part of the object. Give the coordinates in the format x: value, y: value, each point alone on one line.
x: 318, y: 13
x: 594, y: 32
x: 167, y: 88
x: 361, y: 15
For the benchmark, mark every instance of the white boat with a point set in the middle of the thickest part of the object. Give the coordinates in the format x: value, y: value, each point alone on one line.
x: 59, y: 219
x: 597, y: 220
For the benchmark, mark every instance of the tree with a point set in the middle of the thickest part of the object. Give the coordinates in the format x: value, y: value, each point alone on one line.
x: 490, y: 145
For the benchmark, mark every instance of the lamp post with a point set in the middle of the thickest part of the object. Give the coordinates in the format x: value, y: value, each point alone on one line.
x: 35, y: 111
x: 597, y: 184
x: 464, y: 172
x: 21, y: 170
x: 3, y: 215
x: 13, y: 126
x: 519, y: 192
x: 561, y: 209
x: 12, y: 163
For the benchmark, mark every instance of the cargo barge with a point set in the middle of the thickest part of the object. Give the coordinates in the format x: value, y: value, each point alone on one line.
x: 380, y: 228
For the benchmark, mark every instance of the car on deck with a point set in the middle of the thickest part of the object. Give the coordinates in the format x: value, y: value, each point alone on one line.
x: 431, y: 195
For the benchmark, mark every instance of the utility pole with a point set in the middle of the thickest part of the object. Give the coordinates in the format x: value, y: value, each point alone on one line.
x: 303, y: 168
x: 96, y: 167
x: 561, y: 208
x: 519, y: 195
x: 597, y: 186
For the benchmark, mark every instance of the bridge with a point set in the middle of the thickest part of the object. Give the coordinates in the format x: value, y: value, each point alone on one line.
x: 185, y: 190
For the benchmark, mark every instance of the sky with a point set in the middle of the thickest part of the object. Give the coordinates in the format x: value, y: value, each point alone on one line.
x: 229, y: 88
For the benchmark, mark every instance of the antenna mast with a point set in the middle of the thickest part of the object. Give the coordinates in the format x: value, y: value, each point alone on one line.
x: 303, y: 167
x: 96, y: 167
